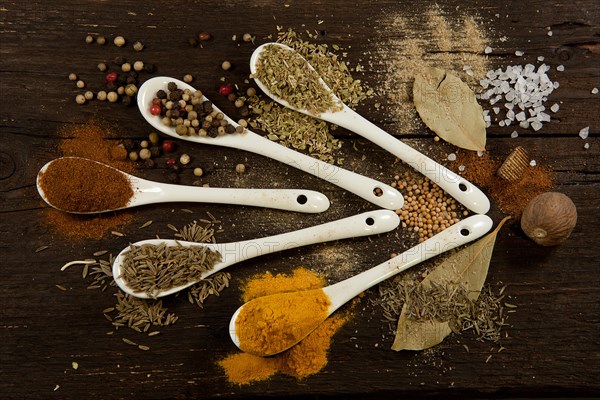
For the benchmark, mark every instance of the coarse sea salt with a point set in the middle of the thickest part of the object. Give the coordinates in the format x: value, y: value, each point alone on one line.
x: 451, y: 157
x: 514, y: 134
x: 519, y: 53
x: 560, y: 68
x: 586, y: 146
x: 555, y: 107
x: 533, y: 163
x: 595, y: 90
x: 488, y: 50
x: 584, y: 132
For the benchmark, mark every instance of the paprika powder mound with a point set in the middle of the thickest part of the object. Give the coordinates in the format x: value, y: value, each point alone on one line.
x: 80, y: 185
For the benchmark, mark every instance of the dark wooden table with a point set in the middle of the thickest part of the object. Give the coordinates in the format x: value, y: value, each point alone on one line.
x: 553, y: 349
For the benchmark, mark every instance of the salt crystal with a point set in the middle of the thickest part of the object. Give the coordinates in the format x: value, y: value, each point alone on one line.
x: 524, y: 124
x: 555, y: 107
x: 501, y: 123
x: 507, y: 122
x: 533, y: 163
x: 583, y: 133
x: 470, y: 72
x: 461, y: 168
x: 479, y: 153
x: 540, y: 58
x: 520, y: 116
x: 519, y: 53
x: 488, y: 50
x: 496, y: 110
x: 556, y: 85
x: 586, y: 146
x: 451, y: 157
x: 514, y: 134
x: 560, y: 68
x: 549, y: 33
x: 536, y: 125
x: 595, y: 90
x: 510, y: 114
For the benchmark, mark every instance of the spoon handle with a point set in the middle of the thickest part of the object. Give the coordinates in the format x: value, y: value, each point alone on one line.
x: 368, y: 223
x: 458, y: 234
x: 369, y: 189
x: 462, y: 190
x: 299, y: 200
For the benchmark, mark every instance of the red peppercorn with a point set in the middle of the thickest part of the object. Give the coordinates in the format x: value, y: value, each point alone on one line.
x: 226, y: 89
x: 155, y: 109
x: 171, y: 162
x: 168, y: 146
x: 156, y: 101
x: 111, y: 77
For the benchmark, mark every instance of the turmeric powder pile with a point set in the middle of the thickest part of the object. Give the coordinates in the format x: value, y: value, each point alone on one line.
x: 308, y: 357
x: 270, y: 324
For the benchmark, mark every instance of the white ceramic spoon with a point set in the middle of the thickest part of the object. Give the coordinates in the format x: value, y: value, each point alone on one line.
x: 149, y: 192
x: 340, y: 293
x: 368, y: 223
x: 386, y: 197
x: 458, y: 187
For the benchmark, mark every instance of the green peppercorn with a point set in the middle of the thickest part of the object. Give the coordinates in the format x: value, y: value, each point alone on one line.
x: 153, y: 137
x: 251, y: 92
x: 131, y: 90
x: 246, y: 37
x: 144, y: 144
x: 138, y: 46
x: 133, y: 156
x: 181, y: 130
x: 119, y: 41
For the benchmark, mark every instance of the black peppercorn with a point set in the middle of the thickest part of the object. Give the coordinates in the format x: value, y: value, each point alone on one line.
x: 230, y: 128
x: 149, y: 68
x: 126, y: 101
x: 149, y: 163
x: 161, y: 94
x: 171, y: 86
x: 155, y: 151
x: 119, y: 60
x: 193, y: 42
x: 213, y: 132
x: 244, y: 111
x: 131, y: 80
x: 207, y: 106
x: 173, y: 177
x: 129, y: 145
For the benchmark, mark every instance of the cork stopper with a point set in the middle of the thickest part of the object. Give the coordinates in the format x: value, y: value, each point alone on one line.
x: 515, y: 164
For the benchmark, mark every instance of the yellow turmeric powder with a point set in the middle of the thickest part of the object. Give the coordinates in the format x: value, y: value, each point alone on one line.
x: 271, y: 324
x: 308, y: 357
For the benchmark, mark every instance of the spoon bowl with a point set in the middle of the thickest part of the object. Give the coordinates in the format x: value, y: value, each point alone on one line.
x: 462, y: 232
x: 458, y: 187
x: 368, y: 223
x: 149, y: 192
x: 369, y: 189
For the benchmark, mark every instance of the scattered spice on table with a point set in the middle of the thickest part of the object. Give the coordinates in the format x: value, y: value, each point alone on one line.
x: 454, y: 43
x: 81, y: 185
x: 510, y: 197
x: 307, y: 357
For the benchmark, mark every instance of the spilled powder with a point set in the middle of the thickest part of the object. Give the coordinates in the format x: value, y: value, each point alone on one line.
x: 307, y: 357
x: 95, y: 141
x: 451, y: 42
x: 511, y: 198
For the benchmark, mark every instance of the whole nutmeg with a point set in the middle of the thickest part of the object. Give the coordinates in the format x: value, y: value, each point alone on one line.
x: 549, y: 218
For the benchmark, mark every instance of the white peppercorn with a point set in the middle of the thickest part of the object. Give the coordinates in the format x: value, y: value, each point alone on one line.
x: 101, y: 95
x: 246, y: 37
x: 80, y: 99
x: 72, y: 76
x: 184, y: 159
x: 102, y: 67
x: 188, y: 78
x: 138, y: 46
x: 112, y: 97
x: 121, y: 90
x: 126, y: 67
x: 226, y: 65
x: 240, y: 168
x: 80, y: 84
x: 89, y: 39
x: 133, y: 156
x: 119, y: 41
x: 89, y: 95
x: 101, y: 40
x: 138, y: 65
x: 198, y: 171
x: 131, y: 90
x: 251, y: 92
x: 145, y: 154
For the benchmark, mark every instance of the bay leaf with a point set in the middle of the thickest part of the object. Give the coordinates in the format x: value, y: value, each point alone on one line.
x: 449, y: 108
x: 467, y: 267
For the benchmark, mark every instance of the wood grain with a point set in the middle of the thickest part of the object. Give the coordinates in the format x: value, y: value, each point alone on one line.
x: 553, y: 348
